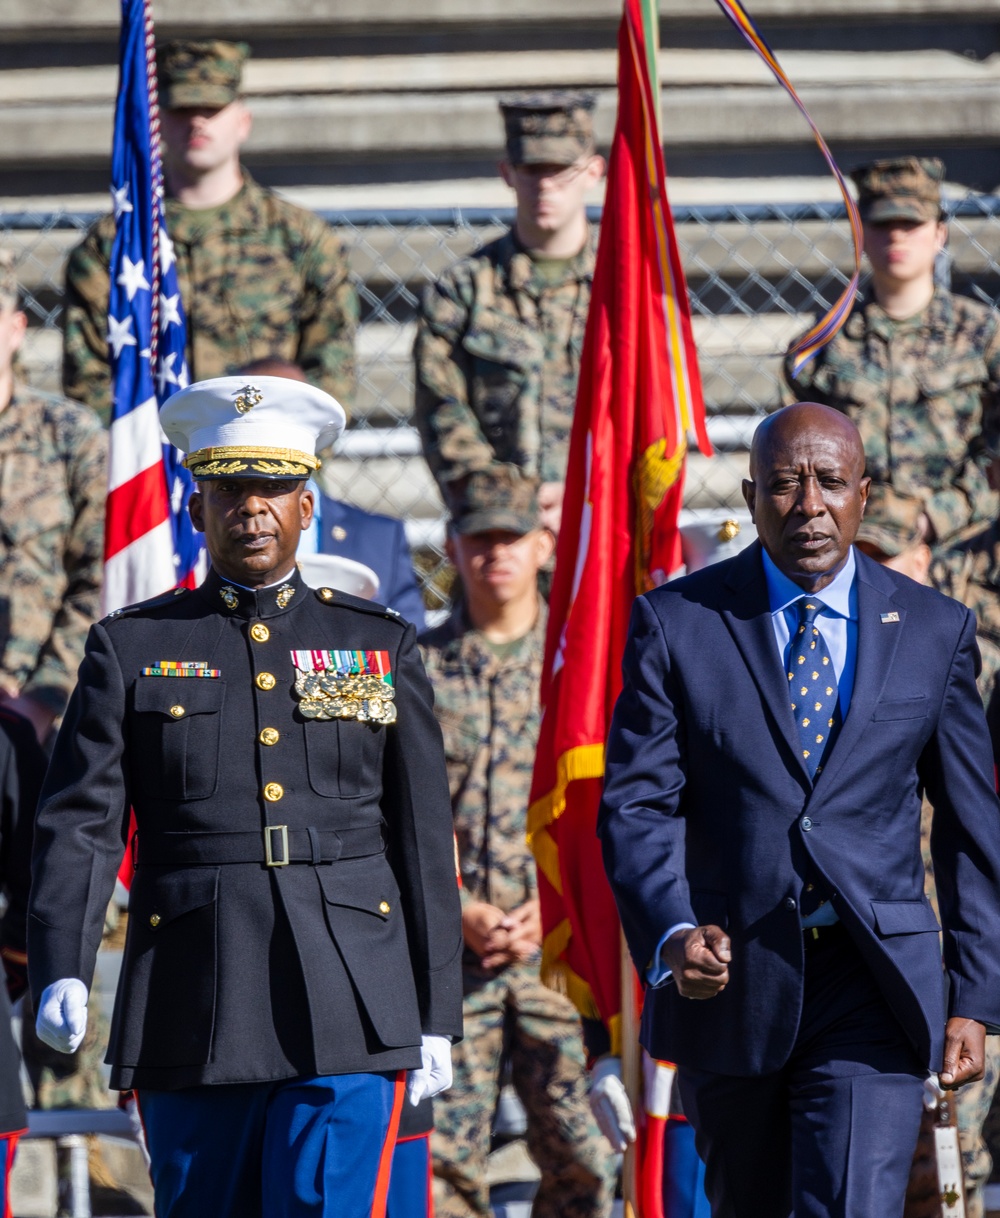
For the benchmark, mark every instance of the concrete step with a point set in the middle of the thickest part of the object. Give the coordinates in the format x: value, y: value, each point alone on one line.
x: 68, y: 19
x: 446, y: 73
x: 962, y: 105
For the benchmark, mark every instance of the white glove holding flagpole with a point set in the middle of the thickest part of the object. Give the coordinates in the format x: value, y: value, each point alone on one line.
x: 434, y: 1074
x: 609, y: 1103
x: 62, y: 1015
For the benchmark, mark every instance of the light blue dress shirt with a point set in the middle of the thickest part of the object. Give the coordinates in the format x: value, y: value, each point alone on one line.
x: 839, y: 624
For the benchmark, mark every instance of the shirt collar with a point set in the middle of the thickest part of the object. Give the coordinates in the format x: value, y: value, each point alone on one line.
x: 783, y: 592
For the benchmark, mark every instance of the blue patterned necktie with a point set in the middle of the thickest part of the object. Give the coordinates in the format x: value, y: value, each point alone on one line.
x: 812, y: 683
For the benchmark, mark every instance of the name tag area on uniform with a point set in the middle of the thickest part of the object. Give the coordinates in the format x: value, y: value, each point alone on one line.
x: 345, y: 685
x: 180, y: 668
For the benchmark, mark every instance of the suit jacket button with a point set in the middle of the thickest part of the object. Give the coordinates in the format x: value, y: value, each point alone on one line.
x: 789, y: 902
x: 177, y: 711
x: 273, y: 792
x: 265, y: 680
x: 384, y: 907
x: 154, y: 921
x: 269, y: 735
x: 806, y: 823
x: 259, y: 632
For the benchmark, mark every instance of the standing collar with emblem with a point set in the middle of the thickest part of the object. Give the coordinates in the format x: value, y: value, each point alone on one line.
x: 231, y: 600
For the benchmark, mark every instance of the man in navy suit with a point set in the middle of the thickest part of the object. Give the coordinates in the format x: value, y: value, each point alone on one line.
x: 781, y: 714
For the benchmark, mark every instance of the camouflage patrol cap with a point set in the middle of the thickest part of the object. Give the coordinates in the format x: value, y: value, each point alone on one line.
x: 499, y: 498
x: 905, y: 188
x: 891, y: 522
x: 8, y: 279
x: 553, y: 128
x: 200, y: 73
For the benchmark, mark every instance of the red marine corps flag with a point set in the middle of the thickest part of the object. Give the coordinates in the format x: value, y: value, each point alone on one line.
x: 639, y: 398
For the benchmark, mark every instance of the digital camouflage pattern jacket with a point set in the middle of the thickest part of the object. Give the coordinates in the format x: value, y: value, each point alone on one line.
x: 53, y: 484
x: 922, y: 392
x: 258, y: 277
x: 489, y: 714
x: 497, y: 360
x: 970, y: 572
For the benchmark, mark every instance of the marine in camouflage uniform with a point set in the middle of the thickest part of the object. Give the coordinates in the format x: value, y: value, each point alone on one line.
x: 53, y: 483
x: 499, y: 336
x: 258, y: 276
x: 486, y: 700
x: 890, y: 533
x: 921, y: 390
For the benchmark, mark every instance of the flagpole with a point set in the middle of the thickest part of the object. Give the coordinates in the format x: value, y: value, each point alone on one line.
x: 631, y: 1077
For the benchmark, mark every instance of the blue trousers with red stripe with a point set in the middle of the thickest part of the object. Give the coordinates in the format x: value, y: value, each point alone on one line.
x: 411, y: 1182
x: 8, y: 1149
x: 300, y: 1148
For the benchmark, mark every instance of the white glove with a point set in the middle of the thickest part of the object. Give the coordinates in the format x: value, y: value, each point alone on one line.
x: 62, y: 1015
x: 609, y: 1103
x: 434, y: 1074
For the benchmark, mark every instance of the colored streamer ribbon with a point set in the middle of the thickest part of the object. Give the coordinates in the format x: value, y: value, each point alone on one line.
x: 824, y: 330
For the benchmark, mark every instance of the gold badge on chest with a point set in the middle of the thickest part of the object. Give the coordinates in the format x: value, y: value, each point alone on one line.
x: 345, y: 685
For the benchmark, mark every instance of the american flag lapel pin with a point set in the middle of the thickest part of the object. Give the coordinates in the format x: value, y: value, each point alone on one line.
x: 888, y: 617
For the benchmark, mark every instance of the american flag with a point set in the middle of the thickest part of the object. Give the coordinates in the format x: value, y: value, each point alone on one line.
x: 150, y: 544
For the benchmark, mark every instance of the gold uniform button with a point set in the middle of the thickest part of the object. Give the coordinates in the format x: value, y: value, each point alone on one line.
x: 383, y: 907
x: 259, y: 632
x: 273, y: 792
x: 269, y: 735
x: 326, y: 594
x: 154, y: 921
x: 265, y: 680
x: 177, y: 711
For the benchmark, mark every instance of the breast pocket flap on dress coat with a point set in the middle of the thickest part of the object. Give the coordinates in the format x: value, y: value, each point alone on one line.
x: 175, y: 893
x: 710, y: 908
x: 375, y: 893
x: 903, y: 917
x: 196, y: 696
x: 901, y: 708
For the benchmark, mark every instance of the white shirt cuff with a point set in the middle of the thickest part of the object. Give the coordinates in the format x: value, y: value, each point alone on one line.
x: 658, y: 974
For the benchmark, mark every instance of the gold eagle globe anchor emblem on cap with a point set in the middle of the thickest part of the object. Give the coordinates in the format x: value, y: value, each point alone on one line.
x: 247, y: 398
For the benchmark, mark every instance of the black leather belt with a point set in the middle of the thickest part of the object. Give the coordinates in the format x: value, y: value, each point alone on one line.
x: 272, y: 846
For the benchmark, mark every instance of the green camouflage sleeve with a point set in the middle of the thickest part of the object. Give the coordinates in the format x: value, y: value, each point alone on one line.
x: 86, y: 373
x: 329, y: 322
x: 969, y: 498
x: 453, y: 441
x: 83, y: 556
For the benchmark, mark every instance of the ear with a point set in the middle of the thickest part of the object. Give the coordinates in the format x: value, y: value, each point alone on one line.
x: 246, y: 122
x: 196, y: 511
x: 750, y: 496
x: 596, y: 168
x: 506, y: 172
x: 864, y: 487
x: 449, y: 547
x: 307, y: 509
x: 545, y: 546
x: 19, y: 328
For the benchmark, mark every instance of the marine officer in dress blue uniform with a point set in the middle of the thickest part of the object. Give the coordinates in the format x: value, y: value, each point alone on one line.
x: 294, y: 939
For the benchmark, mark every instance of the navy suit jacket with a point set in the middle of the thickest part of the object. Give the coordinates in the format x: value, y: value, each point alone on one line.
x: 380, y: 543
x: 709, y: 815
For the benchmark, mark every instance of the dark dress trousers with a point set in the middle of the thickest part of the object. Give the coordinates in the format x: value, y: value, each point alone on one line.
x: 709, y: 816
x: 238, y: 968
x: 22, y: 766
x: 380, y: 543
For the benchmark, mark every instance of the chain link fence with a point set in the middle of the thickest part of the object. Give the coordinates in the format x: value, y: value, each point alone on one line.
x: 755, y: 276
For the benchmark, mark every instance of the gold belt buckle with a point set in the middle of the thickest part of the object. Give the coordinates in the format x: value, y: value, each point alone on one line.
x: 283, y: 860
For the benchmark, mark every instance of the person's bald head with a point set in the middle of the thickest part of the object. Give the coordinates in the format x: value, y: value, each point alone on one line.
x: 807, y: 490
